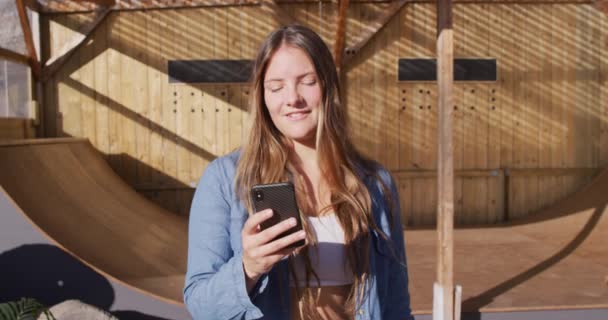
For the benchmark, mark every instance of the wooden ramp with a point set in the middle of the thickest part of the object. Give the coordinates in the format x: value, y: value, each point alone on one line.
x: 68, y: 191
x: 554, y: 260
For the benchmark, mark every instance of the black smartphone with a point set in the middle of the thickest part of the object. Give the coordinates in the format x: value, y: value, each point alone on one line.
x: 281, y: 198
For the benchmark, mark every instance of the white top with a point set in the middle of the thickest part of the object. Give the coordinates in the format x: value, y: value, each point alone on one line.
x: 327, y: 257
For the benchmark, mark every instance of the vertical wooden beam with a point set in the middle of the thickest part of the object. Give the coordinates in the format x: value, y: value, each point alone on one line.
x: 29, y: 41
x: 444, y: 303
x: 340, y: 33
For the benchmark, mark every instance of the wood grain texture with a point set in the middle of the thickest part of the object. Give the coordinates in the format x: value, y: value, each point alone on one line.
x: 90, y: 211
x: 546, y: 111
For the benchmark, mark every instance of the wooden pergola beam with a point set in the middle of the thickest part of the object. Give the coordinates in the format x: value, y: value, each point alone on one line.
x: 365, y: 38
x: 13, y: 56
x: 340, y: 33
x: 28, y: 38
x: 56, y: 62
x: 55, y: 6
x: 444, y: 304
x: 103, y: 3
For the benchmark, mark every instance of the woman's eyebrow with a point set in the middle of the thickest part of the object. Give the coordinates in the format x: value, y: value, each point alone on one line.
x: 298, y: 77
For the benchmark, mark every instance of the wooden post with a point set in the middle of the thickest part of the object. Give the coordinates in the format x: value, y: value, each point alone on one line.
x: 340, y: 33
x: 443, y: 308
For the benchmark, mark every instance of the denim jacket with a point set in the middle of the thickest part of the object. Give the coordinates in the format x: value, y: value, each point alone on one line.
x: 215, y: 280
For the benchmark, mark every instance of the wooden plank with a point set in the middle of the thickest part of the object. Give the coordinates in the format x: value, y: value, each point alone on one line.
x: 234, y: 91
x: 430, y: 129
x: 555, y: 75
x: 517, y: 192
x: 497, y: 172
x: 483, y: 127
x: 433, y: 130
x: 155, y: 63
x: 495, y: 115
x: 595, y: 87
x: 390, y: 40
x: 568, y: 97
x: 50, y: 6
x: 459, y: 131
x: 87, y: 98
x: 141, y: 94
x: 127, y: 99
x: 375, y: 28
x: 56, y: 61
x: 352, y: 94
x: 577, y: 146
x: 170, y: 100
x: 106, y: 3
x: 378, y: 105
x: 197, y: 107
x: 101, y: 99
x: 405, y: 139
x: 366, y: 86
x: 34, y: 62
x: 51, y: 87
x: 531, y: 95
x: 459, y: 116
x: 185, y: 102
x: 220, y: 91
x: 328, y: 20
x: 603, y: 25
x: 16, y: 128
x: 114, y: 93
x: 417, y: 114
x: 445, y: 171
x: 13, y: 56
x: 70, y: 96
x: 545, y: 107
x: 274, y: 12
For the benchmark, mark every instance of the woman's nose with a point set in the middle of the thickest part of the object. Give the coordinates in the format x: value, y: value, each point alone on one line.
x: 293, y: 97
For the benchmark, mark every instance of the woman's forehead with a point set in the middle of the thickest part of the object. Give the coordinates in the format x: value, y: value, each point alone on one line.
x: 288, y: 62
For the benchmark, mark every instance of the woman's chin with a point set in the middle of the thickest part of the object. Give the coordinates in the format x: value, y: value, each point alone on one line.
x: 305, y: 139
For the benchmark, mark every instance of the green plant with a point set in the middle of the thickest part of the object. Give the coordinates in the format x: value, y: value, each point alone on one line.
x: 24, y: 309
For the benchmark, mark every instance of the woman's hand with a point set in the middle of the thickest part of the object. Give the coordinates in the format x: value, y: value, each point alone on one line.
x: 260, y: 252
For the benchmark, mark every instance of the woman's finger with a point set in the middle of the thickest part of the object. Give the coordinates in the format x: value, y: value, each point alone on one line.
x: 251, y: 225
x: 265, y: 236
x: 281, y: 244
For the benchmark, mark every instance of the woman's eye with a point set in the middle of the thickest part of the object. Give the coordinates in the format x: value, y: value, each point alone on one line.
x: 310, y: 82
x: 275, y: 89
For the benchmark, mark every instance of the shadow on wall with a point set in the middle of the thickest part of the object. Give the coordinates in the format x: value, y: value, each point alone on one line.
x: 51, y: 276
x: 158, y: 187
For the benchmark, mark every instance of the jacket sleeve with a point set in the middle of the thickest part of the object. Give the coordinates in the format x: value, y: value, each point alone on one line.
x: 215, y: 281
x: 398, y: 292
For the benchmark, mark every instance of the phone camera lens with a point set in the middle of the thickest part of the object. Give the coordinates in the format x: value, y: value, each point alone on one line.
x: 259, y: 195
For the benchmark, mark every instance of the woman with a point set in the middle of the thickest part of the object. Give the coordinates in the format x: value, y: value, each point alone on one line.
x: 353, y: 265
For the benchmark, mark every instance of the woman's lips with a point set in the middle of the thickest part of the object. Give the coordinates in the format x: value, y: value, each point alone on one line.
x: 297, y: 115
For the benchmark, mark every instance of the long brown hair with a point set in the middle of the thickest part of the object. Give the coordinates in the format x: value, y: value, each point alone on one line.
x: 265, y: 157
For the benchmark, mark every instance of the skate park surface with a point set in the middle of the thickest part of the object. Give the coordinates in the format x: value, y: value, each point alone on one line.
x: 60, y: 195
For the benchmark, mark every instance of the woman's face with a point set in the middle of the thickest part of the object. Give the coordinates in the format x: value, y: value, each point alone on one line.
x: 293, y: 94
